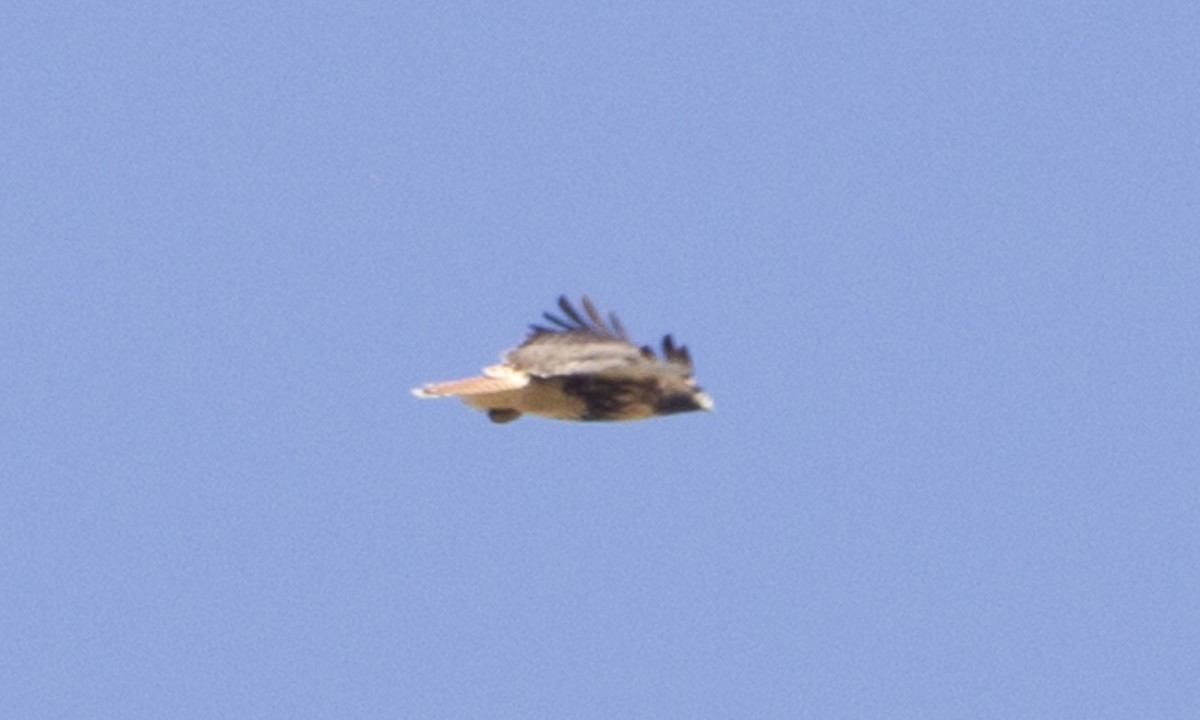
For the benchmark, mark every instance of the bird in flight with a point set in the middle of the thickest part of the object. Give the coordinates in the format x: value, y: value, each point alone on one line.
x: 580, y: 367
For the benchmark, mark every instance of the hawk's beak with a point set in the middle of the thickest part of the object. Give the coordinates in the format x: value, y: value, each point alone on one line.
x: 704, y: 401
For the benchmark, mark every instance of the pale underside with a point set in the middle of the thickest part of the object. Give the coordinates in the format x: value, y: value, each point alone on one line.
x: 541, y: 397
x: 502, y: 388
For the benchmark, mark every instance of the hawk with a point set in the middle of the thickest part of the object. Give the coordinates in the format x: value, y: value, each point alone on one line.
x: 580, y: 367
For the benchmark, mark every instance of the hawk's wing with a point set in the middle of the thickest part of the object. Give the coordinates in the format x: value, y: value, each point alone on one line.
x: 588, y: 345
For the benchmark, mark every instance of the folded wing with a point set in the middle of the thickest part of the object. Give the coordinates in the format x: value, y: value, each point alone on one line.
x: 585, y: 344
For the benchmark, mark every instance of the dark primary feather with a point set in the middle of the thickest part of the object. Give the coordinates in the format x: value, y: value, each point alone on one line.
x: 618, y: 328
x: 576, y: 325
x: 570, y: 310
x: 678, y: 355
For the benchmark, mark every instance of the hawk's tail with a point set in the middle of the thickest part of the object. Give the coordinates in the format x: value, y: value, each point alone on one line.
x: 469, y: 386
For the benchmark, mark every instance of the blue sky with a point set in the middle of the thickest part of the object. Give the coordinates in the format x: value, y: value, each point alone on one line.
x: 937, y: 265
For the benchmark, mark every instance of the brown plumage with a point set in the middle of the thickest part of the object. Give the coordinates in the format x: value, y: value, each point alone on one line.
x: 581, y: 367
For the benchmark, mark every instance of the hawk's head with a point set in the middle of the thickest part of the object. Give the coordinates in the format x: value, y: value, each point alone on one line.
x: 683, y: 400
